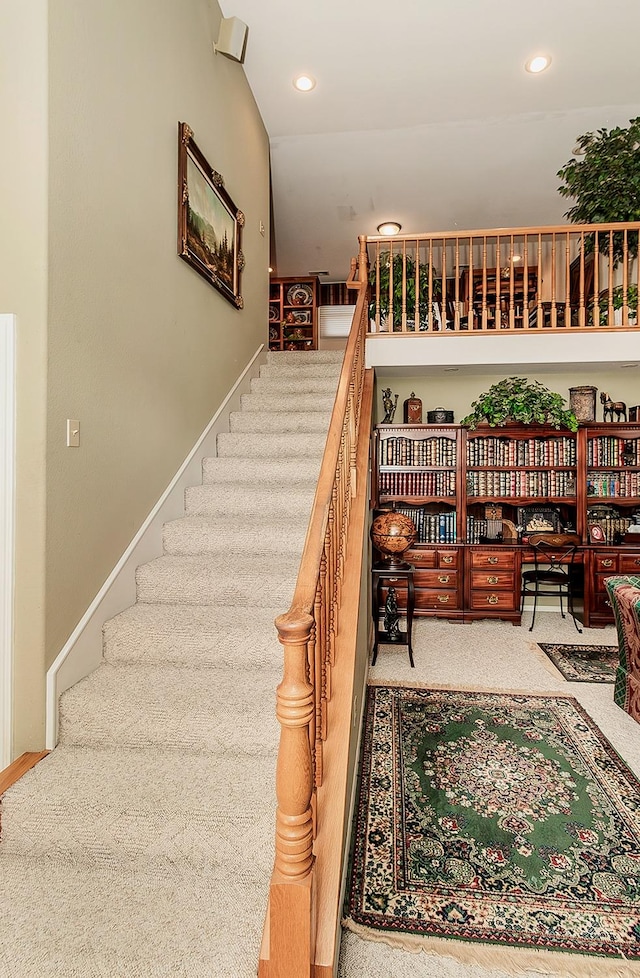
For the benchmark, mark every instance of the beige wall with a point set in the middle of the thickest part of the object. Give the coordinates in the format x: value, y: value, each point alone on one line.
x: 114, y: 329
x: 456, y: 389
x: 23, y: 291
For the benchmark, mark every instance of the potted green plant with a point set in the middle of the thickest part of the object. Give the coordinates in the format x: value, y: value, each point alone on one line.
x: 605, y: 183
x: 403, y: 267
x: 516, y: 400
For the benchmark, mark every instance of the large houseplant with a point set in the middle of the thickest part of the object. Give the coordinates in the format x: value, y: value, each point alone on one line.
x: 514, y: 399
x: 605, y: 184
x: 402, y: 268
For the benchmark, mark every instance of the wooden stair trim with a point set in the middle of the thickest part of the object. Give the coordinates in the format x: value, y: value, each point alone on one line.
x: 20, y: 766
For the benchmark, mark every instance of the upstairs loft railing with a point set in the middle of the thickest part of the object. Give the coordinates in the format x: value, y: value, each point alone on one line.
x: 578, y: 277
x: 314, y: 701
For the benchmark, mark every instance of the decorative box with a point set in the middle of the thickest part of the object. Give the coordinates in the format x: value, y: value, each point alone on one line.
x: 439, y: 416
x: 634, y: 413
x: 413, y: 410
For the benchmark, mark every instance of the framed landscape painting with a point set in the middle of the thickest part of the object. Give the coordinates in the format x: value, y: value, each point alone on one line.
x: 209, y: 223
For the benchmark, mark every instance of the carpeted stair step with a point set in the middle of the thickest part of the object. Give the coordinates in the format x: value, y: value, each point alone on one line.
x: 246, y: 501
x: 295, y: 357
x: 225, y: 580
x: 293, y: 384
x: 328, y: 371
x: 302, y: 401
x: 290, y: 474
x: 62, y: 921
x: 287, y: 445
x: 261, y: 535
x: 170, y: 811
x: 145, y: 706
x: 194, y: 635
x: 276, y: 421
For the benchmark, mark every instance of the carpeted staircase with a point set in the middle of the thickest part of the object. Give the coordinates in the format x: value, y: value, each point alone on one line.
x: 142, y: 846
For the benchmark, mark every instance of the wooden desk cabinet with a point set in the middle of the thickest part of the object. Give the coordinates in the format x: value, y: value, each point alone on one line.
x: 449, y: 480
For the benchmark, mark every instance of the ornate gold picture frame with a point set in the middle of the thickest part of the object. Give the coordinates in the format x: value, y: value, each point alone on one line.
x: 209, y: 223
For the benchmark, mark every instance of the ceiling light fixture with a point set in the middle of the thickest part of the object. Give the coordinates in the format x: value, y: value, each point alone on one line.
x: 389, y: 228
x: 304, y: 83
x: 538, y: 64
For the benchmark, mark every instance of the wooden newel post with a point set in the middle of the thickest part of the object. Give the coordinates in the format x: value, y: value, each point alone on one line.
x: 291, y: 931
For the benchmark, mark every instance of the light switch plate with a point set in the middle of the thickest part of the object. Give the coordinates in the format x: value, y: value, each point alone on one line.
x: 73, y: 433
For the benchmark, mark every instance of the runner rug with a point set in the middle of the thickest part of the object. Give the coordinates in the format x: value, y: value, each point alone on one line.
x: 492, y: 817
x: 584, y: 663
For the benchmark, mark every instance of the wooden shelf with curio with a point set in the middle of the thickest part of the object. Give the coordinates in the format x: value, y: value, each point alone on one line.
x: 392, y: 581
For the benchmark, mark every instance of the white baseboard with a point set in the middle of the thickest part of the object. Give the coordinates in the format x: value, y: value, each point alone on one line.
x: 82, y: 652
x: 7, y: 529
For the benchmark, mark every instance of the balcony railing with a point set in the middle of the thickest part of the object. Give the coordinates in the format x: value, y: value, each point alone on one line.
x: 579, y: 277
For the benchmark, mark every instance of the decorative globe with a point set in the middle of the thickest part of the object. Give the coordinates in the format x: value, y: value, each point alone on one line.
x: 392, y: 533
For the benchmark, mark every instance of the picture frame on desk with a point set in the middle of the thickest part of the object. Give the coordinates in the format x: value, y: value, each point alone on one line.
x: 596, y: 533
x: 538, y: 519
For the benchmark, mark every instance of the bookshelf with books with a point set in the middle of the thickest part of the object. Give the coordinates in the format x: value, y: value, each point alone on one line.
x: 612, y: 509
x: 476, y: 496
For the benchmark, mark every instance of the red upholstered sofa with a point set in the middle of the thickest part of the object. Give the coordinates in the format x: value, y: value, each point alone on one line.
x: 625, y: 599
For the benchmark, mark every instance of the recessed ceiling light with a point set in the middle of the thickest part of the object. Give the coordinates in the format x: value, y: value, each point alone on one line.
x: 389, y: 227
x: 538, y: 64
x: 451, y: 370
x: 623, y: 366
x: 270, y: 269
x: 304, y: 83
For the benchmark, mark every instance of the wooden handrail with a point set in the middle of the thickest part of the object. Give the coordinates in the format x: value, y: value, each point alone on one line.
x: 308, y: 632
x: 581, y: 277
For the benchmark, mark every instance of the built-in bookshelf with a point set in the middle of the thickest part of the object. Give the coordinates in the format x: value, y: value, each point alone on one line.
x: 612, y: 480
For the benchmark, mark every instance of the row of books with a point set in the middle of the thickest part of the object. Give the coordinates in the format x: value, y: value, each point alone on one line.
x: 431, y: 527
x: 427, y: 451
x: 614, y: 528
x: 518, y: 451
x: 609, y: 450
x: 477, y: 530
x: 510, y: 483
x: 417, y: 483
x: 613, y: 483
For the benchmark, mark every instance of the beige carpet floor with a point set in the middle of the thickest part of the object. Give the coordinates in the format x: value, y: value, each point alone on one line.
x: 142, y: 846
x: 493, y: 655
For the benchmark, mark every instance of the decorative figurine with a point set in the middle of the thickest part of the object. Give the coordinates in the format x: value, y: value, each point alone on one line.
x: 389, y: 405
x: 413, y: 410
x: 392, y: 616
x: 609, y: 407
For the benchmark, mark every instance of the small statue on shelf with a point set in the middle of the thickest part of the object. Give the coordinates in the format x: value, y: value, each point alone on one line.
x: 389, y: 405
x: 392, y: 616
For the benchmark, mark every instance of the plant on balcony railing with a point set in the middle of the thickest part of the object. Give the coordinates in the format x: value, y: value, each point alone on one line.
x: 397, y: 278
x: 516, y: 400
x: 605, y: 184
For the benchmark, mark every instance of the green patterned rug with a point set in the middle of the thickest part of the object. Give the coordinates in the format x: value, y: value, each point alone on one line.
x: 584, y: 663
x: 493, y: 817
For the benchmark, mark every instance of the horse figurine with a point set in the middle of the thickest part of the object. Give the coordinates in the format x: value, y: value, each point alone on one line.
x: 609, y: 407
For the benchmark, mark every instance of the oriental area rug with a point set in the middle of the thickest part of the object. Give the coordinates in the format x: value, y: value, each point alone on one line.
x: 494, y: 817
x: 584, y: 663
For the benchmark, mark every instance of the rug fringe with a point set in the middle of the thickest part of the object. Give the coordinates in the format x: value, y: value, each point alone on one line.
x: 457, y: 688
x: 542, y: 656
x: 514, y: 961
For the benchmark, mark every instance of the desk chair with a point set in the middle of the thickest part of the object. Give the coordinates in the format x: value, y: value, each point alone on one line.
x: 551, y: 576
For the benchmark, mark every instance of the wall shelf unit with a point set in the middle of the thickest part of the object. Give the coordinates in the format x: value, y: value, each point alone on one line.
x: 293, y: 313
x: 475, y: 496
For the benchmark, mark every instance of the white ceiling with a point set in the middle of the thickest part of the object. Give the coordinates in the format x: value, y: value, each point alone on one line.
x: 423, y: 112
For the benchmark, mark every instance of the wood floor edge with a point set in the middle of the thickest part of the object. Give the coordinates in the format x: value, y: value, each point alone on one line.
x: 20, y: 766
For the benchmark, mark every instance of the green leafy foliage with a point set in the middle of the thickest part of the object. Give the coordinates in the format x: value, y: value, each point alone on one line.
x: 516, y: 400
x: 605, y: 183
x: 393, y: 267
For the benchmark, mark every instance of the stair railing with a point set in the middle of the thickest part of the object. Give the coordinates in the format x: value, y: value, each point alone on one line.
x: 308, y: 632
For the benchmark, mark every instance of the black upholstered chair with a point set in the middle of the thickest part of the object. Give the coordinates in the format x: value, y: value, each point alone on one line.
x: 551, y: 574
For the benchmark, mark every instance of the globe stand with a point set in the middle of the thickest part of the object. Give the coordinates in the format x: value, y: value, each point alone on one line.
x: 392, y: 563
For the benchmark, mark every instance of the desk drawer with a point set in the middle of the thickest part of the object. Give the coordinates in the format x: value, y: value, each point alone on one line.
x: 490, y: 579
x: 606, y: 563
x: 506, y: 558
x: 601, y: 605
x: 495, y: 600
x: 437, y: 600
x: 448, y: 558
x: 629, y: 563
x: 438, y: 578
x: 433, y: 558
